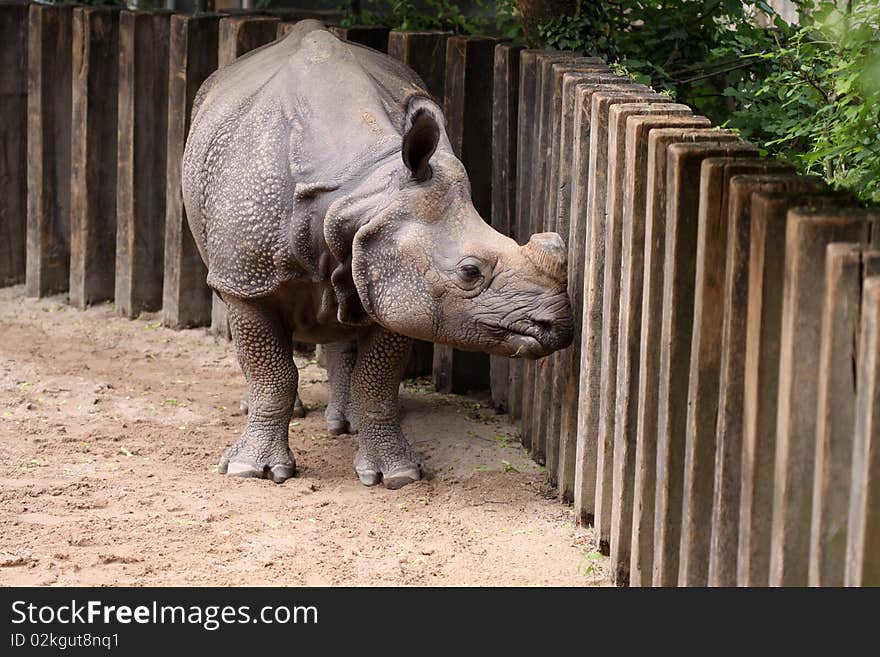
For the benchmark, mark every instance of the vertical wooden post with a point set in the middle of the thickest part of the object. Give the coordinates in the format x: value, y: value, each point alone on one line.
x: 468, y: 109
x: 846, y: 268
x: 577, y: 92
x: 808, y: 232
x: 425, y: 53
x: 524, y: 161
x: 645, y: 420
x: 192, y: 52
x: 761, y: 383
x: 372, y: 37
x: 549, y: 389
x: 13, y: 141
x: 143, y: 138
x: 702, y: 450
x: 728, y: 458
x: 682, y: 208
x: 863, y: 529
x: 590, y: 470
x: 93, y: 154
x: 622, y: 153
x: 534, y: 398
x: 505, y: 103
x: 641, y: 243
x: 48, y: 144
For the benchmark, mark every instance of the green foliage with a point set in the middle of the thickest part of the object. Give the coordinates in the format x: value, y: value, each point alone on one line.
x: 819, y: 102
x: 810, y: 93
x: 403, y: 15
x: 507, y: 23
x: 670, y: 44
x: 95, y: 3
x: 440, y: 15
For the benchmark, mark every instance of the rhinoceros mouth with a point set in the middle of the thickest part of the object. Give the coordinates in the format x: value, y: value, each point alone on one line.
x: 519, y: 343
x: 526, y: 346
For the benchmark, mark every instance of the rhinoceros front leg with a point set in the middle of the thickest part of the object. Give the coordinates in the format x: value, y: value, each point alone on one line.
x: 265, y: 355
x: 299, y: 409
x: 341, y: 358
x: 383, y: 453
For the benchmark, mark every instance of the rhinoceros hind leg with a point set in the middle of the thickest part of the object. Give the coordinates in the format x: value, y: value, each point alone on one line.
x: 341, y: 357
x: 264, y: 352
x: 299, y: 409
x: 383, y: 453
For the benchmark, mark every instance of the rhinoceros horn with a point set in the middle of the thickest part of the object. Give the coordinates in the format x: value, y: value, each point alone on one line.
x: 546, y: 251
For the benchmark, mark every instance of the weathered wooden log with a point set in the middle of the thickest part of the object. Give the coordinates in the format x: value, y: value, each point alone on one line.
x: 640, y: 411
x: 13, y: 141
x: 524, y: 161
x: 577, y: 92
x: 193, y: 45
x: 505, y: 105
x: 863, y: 528
x: 761, y: 383
x: 590, y: 471
x: 48, y: 144
x: 370, y: 36
x: 701, y: 447
x: 532, y: 407
x: 846, y: 268
x: 728, y: 459
x: 141, y: 159
x: 623, y: 154
x: 682, y: 209
x: 93, y: 155
x: 808, y: 233
x: 549, y: 387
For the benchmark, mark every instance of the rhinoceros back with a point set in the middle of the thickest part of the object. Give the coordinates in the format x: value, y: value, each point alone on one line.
x: 270, y: 133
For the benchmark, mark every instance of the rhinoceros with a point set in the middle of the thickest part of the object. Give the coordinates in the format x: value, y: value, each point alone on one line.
x: 324, y: 197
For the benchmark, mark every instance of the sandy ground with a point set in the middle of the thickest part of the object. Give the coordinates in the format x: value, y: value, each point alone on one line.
x: 110, y: 432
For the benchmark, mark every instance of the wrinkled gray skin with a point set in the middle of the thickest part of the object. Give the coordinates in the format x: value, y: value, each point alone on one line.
x: 324, y: 197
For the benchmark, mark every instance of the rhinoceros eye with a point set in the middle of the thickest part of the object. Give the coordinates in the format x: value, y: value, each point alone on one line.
x: 470, y: 272
x: 470, y: 275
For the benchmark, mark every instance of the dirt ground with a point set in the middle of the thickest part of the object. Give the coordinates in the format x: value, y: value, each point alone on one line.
x: 109, y: 440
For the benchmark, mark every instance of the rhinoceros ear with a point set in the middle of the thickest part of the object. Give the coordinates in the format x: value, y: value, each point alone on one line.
x: 419, y: 144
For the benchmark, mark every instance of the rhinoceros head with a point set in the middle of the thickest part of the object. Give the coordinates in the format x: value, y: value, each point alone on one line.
x: 426, y: 265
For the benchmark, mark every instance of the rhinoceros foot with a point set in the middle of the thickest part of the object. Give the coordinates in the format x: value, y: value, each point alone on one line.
x: 339, y: 422
x: 396, y: 465
x: 262, y: 452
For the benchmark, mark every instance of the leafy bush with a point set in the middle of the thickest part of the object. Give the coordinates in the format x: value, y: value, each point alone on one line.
x: 810, y: 93
x: 403, y: 15
x: 819, y: 102
x: 441, y: 15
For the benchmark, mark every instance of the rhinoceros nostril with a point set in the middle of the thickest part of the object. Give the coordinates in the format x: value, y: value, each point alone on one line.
x: 543, y: 325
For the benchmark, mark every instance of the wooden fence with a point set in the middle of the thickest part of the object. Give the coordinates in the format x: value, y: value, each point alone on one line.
x: 714, y: 418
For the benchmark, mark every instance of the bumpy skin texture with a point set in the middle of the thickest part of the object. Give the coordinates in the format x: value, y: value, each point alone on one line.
x: 326, y: 202
x: 340, y: 414
x: 384, y: 453
x: 299, y: 409
x: 266, y: 357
